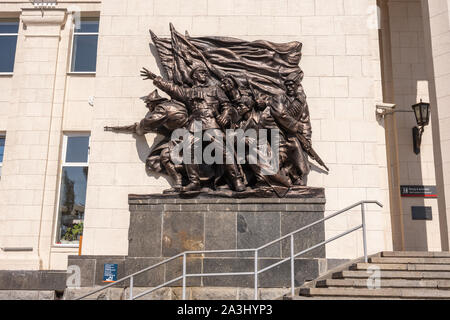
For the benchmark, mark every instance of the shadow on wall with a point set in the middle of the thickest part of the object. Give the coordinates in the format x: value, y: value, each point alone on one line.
x: 144, y: 150
x: 406, y: 52
x: 408, y: 90
x: 410, y: 164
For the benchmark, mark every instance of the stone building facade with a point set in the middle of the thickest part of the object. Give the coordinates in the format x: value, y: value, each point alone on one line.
x: 357, y: 55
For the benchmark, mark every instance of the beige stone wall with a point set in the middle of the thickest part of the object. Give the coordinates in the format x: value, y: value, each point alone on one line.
x: 33, y: 121
x: 5, y: 94
x: 342, y: 81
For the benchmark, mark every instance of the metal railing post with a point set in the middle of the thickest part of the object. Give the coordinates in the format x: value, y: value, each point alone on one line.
x: 292, y: 266
x: 363, y: 217
x: 130, y: 297
x: 184, y: 277
x: 256, y: 275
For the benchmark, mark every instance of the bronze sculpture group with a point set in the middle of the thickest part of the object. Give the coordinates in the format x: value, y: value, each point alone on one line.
x: 221, y: 84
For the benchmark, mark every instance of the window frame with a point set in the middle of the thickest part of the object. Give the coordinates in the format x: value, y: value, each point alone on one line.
x: 63, y: 164
x: 10, y: 73
x: 75, y: 33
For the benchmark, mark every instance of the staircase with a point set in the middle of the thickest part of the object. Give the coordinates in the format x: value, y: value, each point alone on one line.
x: 387, y: 275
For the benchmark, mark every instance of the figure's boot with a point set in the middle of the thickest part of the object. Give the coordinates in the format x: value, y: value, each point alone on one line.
x: 177, y: 178
x: 194, y: 179
x: 300, y: 182
x: 236, y: 177
x: 192, y: 186
x: 239, y: 186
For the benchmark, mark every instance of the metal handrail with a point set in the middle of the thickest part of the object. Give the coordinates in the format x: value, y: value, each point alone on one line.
x: 256, y: 272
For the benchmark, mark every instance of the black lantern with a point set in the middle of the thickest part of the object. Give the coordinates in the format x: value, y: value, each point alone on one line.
x: 422, y: 113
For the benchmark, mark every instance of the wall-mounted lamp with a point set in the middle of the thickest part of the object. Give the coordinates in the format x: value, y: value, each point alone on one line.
x: 422, y: 113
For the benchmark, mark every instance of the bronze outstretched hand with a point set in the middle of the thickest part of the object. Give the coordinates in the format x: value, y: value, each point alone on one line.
x: 147, y: 74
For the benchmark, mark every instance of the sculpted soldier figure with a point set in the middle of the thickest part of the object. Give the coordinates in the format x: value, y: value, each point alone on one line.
x: 208, y: 105
x: 241, y: 102
x: 290, y: 112
x: 248, y: 107
x: 165, y: 116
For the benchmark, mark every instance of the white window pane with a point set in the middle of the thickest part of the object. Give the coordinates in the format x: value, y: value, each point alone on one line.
x: 77, y: 149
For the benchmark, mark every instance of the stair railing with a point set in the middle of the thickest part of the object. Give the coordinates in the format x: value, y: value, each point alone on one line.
x: 255, y: 273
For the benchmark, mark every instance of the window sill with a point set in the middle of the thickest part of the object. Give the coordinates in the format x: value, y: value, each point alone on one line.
x: 66, y: 246
x: 92, y: 74
x: 6, y: 74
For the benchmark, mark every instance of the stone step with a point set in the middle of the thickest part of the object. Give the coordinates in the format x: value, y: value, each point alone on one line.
x: 390, y: 283
x: 415, y: 254
x: 380, y: 293
x: 337, y: 298
x: 436, y: 275
x: 401, y: 267
x: 397, y: 260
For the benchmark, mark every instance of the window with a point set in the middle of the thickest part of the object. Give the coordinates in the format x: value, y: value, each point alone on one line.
x: 2, y: 151
x: 84, y: 46
x: 9, y: 29
x: 72, y: 190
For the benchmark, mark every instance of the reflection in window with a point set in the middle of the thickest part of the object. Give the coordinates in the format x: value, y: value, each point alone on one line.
x: 72, y: 193
x: 9, y: 29
x: 2, y: 151
x: 84, y: 46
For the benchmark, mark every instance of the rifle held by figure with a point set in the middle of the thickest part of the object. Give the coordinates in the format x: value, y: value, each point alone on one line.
x: 310, y: 151
x: 122, y: 129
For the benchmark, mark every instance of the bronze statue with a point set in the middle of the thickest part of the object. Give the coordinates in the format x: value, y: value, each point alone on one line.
x: 291, y: 114
x: 222, y: 84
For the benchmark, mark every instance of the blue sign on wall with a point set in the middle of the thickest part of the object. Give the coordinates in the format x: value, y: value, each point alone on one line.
x: 110, y: 272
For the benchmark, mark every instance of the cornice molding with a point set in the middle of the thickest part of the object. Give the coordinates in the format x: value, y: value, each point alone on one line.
x: 48, y: 17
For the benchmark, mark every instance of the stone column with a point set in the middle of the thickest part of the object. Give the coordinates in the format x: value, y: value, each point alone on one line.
x: 32, y: 139
x: 436, y: 15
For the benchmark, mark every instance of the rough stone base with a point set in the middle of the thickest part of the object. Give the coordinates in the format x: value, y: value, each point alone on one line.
x: 174, y: 293
x: 41, y: 280
x: 26, y: 295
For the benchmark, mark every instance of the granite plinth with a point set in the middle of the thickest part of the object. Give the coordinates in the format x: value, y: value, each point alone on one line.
x: 163, y: 227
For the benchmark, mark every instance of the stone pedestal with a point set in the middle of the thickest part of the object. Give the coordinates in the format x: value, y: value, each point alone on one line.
x: 161, y: 227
